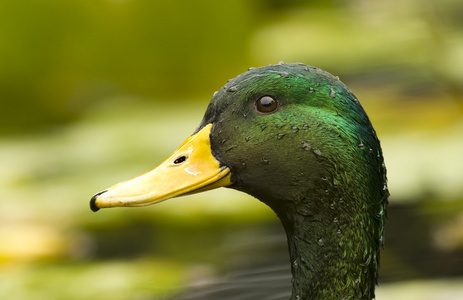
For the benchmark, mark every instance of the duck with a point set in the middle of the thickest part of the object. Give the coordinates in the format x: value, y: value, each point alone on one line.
x: 297, y: 139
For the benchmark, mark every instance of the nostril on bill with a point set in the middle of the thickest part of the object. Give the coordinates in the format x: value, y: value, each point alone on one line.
x: 180, y: 160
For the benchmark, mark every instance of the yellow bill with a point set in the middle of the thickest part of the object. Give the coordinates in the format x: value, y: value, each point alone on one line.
x: 190, y: 169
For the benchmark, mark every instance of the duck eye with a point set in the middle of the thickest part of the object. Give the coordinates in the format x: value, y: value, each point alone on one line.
x: 266, y: 104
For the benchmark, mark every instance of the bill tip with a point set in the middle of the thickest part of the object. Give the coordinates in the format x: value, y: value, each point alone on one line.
x: 93, y: 206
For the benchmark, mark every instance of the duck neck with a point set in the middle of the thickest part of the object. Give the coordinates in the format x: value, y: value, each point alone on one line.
x: 330, y: 258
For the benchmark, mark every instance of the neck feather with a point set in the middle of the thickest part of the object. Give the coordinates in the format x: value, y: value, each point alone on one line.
x: 333, y: 255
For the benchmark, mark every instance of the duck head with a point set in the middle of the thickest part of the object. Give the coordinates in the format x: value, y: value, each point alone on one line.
x: 296, y: 138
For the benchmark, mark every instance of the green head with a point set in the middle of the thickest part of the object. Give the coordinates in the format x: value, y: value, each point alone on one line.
x: 296, y: 138
x: 317, y: 131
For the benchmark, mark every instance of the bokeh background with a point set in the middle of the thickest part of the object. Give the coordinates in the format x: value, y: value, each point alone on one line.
x: 96, y: 92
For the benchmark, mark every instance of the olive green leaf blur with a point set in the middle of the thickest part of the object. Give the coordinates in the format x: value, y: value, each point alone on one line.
x: 96, y: 92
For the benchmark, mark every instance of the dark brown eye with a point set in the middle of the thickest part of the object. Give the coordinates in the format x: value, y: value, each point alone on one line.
x: 266, y: 104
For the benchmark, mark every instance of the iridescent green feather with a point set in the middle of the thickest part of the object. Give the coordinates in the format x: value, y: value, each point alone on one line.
x: 317, y: 163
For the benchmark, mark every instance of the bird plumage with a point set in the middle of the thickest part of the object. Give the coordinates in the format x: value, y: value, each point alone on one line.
x: 296, y: 138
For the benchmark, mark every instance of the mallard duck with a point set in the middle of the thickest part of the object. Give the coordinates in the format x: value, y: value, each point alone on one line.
x: 296, y: 138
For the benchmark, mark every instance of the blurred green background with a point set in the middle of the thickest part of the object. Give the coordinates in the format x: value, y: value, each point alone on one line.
x: 96, y: 92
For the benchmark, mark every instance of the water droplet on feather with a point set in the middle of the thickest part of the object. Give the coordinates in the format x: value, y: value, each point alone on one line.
x: 317, y: 152
x: 332, y: 93
x: 306, y: 146
x: 231, y: 147
x: 265, y: 161
x: 232, y: 89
